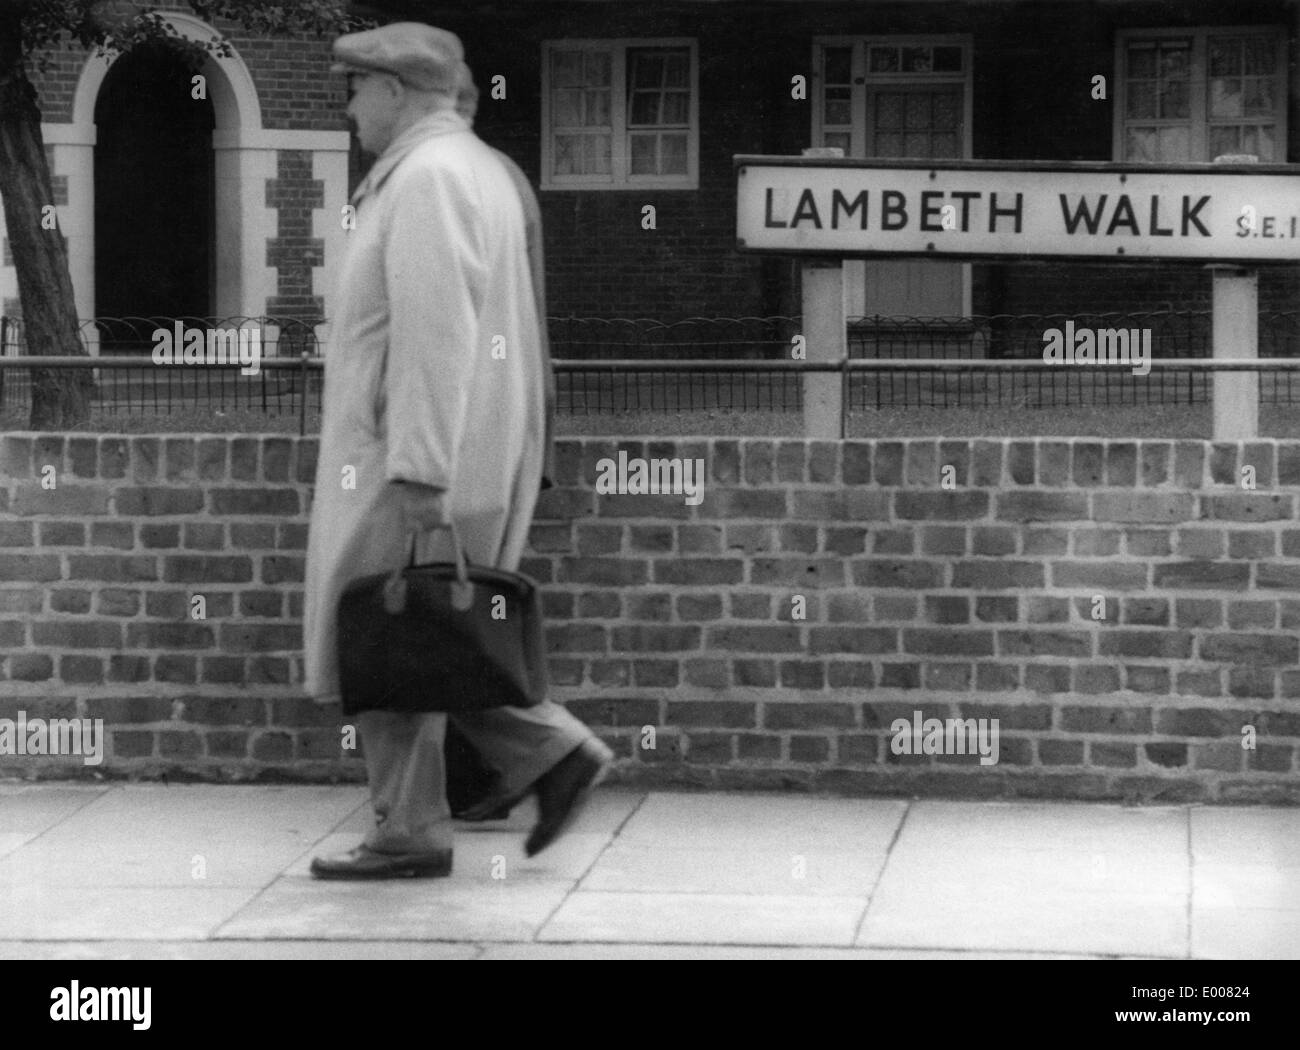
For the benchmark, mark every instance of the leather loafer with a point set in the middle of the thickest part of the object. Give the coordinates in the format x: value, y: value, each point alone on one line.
x: 564, y: 789
x: 365, y: 863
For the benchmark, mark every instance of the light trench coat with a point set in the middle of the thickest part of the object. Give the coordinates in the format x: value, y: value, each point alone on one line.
x: 434, y: 374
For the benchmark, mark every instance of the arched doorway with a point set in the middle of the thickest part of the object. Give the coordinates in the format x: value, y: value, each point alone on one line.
x: 154, y: 190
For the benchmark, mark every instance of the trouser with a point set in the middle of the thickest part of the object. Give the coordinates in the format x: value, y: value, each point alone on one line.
x: 407, y: 773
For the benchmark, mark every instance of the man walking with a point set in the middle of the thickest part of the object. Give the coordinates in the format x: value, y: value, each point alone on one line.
x: 423, y: 423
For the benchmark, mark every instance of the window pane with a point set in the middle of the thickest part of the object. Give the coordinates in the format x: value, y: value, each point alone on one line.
x: 1142, y: 60
x: 916, y: 145
x: 884, y: 60
x: 840, y: 140
x: 918, y: 110
x: 1223, y: 140
x: 566, y: 69
x: 838, y: 111
x: 645, y: 68
x: 1259, y: 98
x: 1225, y: 98
x: 1174, y: 104
x: 676, y: 107
x: 672, y: 154
x: 1140, y: 145
x: 566, y: 155
x: 947, y: 60
x: 838, y: 65
x: 947, y: 115
x: 598, y: 68
x: 643, y: 155
x: 598, y: 109
x: 1261, y: 54
x: 916, y: 60
x: 645, y: 108
x: 889, y: 110
x: 1174, y: 59
x: 1142, y: 100
x: 1225, y: 57
x: 595, y: 154
x: 888, y: 145
x: 1175, y: 143
x: 677, y: 71
x: 566, y: 108
x: 945, y: 146
x: 1259, y: 141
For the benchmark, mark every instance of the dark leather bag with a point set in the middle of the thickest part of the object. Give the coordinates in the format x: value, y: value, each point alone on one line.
x: 445, y: 636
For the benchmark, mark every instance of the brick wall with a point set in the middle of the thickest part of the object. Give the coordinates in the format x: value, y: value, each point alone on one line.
x: 290, y: 72
x: 975, y: 600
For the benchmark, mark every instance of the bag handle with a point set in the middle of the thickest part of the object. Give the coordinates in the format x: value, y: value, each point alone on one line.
x: 462, y: 563
x: 462, y: 591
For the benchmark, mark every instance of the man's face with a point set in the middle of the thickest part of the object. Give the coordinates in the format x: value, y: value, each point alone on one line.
x: 373, y: 103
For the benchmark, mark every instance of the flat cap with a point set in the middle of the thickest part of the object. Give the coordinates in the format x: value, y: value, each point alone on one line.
x: 420, y: 55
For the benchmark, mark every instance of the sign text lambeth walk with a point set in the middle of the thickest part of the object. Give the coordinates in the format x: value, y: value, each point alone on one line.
x: 1234, y: 213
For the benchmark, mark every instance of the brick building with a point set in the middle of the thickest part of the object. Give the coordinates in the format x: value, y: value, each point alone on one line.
x: 612, y: 106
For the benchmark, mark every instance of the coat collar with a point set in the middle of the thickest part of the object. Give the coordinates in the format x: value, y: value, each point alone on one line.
x: 440, y: 123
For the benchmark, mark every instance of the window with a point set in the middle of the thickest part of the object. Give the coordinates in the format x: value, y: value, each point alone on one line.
x: 1198, y: 94
x: 619, y: 114
x: 892, y: 96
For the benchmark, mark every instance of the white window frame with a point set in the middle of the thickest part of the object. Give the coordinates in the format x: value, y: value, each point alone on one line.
x: 1198, y: 119
x: 861, y: 45
x: 620, y: 178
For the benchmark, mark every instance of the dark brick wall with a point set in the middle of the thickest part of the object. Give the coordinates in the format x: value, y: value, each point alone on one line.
x: 975, y: 600
x: 291, y: 74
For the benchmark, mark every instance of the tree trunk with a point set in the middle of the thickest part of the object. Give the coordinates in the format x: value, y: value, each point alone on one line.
x: 60, y: 397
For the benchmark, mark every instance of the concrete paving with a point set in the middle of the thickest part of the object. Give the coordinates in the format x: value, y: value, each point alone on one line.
x: 210, y: 871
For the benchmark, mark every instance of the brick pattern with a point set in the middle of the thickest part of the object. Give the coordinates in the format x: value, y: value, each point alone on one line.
x: 294, y: 251
x: 100, y: 576
x: 966, y: 592
x: 290, y: 72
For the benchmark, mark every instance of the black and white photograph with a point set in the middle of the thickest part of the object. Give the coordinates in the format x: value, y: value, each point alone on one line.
x: 713, y: 480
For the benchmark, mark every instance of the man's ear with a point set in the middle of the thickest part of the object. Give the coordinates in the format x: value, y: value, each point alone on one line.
x: 393, y: 87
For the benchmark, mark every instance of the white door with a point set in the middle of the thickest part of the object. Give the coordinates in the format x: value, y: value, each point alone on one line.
x: 898, y: 98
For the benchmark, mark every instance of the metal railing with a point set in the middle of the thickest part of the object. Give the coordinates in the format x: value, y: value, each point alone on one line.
x: 701, y: 364
x: 307, y: 372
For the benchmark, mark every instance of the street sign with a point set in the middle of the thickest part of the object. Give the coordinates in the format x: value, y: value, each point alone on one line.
x: 1231, y: 213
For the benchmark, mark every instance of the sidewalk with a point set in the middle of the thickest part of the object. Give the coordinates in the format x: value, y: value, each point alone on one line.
x: 208, y: 871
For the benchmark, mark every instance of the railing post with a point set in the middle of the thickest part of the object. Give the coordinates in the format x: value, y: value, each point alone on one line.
x: 826, y: 340
x: 302, y: 403
x: 1235, y: 333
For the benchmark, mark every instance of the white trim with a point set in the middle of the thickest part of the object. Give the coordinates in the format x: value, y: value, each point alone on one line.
x: 619, y: 178
x: 233, y: 93
x: 242, y: 279
x: 69, y: 134
x: 273, y: 138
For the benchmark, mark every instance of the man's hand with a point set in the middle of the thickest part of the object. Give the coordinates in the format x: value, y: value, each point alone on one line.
x: 421, y: 506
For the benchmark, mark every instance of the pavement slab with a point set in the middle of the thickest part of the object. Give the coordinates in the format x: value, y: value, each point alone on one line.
x: 221, y: 871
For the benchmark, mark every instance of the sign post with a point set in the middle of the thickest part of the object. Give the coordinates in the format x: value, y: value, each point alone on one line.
x: 825, y: 335
x: 1236, y: 215
x: 1235, y: 333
